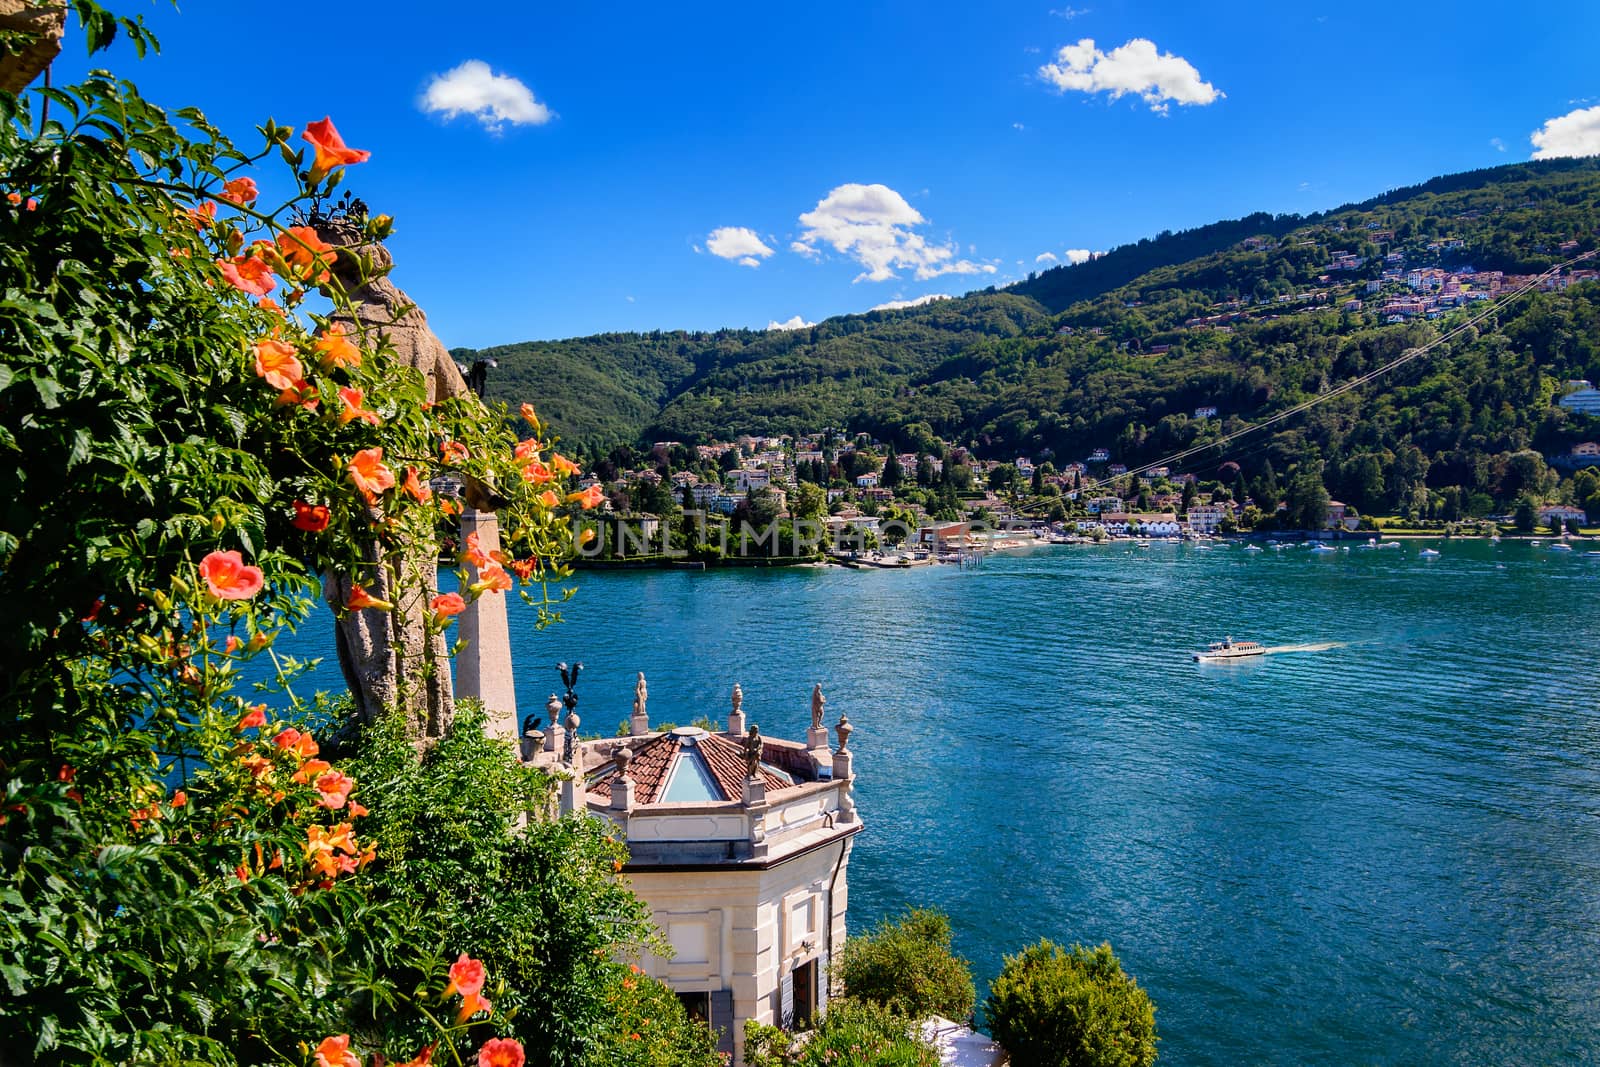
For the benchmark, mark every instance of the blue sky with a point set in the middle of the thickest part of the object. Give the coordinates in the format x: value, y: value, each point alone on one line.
x: 558, y: 170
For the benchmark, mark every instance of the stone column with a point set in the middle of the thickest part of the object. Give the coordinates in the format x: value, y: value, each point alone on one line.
x: 844, y: 772
x: 574, y: 795
x: 483, y: 668
x: 755, y: 806
x: 621, y: 784
x: 555, y: 736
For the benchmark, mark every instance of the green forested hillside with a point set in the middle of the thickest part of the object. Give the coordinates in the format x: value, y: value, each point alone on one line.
x: 1248, y: 316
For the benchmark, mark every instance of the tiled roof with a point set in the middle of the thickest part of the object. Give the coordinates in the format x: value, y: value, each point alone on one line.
x: 654, y: 758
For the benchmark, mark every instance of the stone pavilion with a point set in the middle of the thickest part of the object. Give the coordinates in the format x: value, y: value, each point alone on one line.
x: 740, y: 845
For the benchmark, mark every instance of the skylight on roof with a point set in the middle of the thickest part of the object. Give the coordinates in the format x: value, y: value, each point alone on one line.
x: 691, y: 781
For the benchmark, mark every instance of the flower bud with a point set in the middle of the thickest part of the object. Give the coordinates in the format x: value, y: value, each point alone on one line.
x: 380, y: 227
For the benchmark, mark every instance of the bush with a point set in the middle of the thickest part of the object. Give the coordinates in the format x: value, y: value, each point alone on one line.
x: 185, y: 877
x: 907, y: 967
x: 540, y: 905
x: 850, y: 1034
x: 1051, y: 1007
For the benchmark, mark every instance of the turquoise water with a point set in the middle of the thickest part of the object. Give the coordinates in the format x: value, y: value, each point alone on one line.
x: 1385, y: 852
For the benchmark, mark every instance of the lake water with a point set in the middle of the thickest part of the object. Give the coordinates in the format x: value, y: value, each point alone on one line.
x: 1383, y: 852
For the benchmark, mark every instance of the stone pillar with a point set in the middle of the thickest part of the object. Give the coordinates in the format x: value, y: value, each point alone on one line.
x: 844, y: 772
x: 621, y: 784
x: 483, y: 668
x: 755, y: 804
x: 574, y: 796
x: 555, y: 736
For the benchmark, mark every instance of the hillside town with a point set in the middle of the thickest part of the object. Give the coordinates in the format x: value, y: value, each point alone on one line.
x: 864, y: 496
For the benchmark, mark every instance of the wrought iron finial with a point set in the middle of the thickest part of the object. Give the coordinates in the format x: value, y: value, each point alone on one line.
x: 478, y: 375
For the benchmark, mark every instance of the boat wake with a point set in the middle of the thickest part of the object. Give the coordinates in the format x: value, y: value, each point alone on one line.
x: 1321, y: 646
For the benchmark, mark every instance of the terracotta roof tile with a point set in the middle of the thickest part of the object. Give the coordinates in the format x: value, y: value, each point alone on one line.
x: 653, y: 761
x: 726, y: 760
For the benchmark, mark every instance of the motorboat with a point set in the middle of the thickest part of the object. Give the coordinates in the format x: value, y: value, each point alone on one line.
x: 1429, y: 553
x: 1229, y: 649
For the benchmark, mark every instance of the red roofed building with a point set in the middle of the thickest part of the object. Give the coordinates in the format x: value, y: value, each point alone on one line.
x: 740, y: 845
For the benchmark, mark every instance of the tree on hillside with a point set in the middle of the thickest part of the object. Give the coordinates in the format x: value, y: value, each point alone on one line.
x: 1363, y: 481
x: 1525, y: 515
x: 891, y: 472
x: 1307, y: 498
x: 808, y: 501
x: 1264, y: 491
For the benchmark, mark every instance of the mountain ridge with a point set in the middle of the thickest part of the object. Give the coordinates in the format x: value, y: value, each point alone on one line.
x: 1247, y: 315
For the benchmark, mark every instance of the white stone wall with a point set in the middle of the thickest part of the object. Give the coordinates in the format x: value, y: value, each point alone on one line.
x: 744, y: 929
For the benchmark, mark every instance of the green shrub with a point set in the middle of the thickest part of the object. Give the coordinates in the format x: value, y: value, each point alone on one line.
x: 850, y: 1034
x: 908, y: 967
x: 1051, y: 1007
x: 539, y: 904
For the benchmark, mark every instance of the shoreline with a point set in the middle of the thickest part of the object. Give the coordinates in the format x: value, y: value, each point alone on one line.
x: 1028, y: 544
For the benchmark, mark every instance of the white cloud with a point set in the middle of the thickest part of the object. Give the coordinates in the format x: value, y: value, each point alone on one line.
x: 738, y: 243
x: 1075, y: 256
x: 1497, y: 144
x: 1070, y: 13
x: 1018, y: 126
x: 1045, y: 257
x: 796, y: 323
x: 873, y: 225
x: 493, y: 99
x: 1577, y: 133
x: 896, y: 305
x: 1135, y: 67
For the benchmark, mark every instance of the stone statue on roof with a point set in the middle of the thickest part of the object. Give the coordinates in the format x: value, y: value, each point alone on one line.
x: 817, y: 700
x: 752, y: 752
x: 641, y: 695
